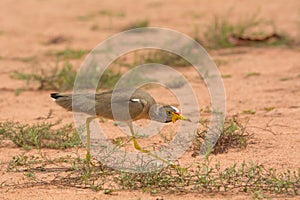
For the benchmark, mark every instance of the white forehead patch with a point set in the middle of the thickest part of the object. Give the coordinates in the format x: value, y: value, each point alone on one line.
x: 176, y: 109
x: 135, y: 100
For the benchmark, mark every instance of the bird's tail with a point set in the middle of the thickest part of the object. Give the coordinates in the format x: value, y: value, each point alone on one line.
x: 55, y: 95
x: 64, y: 100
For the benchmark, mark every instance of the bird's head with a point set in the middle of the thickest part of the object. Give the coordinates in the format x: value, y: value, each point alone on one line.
x: 166, y: 114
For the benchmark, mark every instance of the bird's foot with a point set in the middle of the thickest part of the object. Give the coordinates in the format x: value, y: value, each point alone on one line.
x: 138, y: 147
x: 88, y: 160
x: 141, y: 149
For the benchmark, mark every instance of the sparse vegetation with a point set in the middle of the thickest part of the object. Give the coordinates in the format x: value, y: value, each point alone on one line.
x: 43, y: 135
x: 63, y: 78
x: 58, y: 78
x: 233, y: 136
x: 268, y: 109
x: 226, y: 75
x: 165, y: 58
x: 223, y: 33
x: 253, y: 74
x: 46, y: 159
x: 137, y: 24
x: 286, y: 78
x: 205, y: 177
x: 109, y: 79
x: 220, y: 62
x: 154, y: 56
x: 249, y: 111
x: 199, y: 177
x: 111, y: 13
x: 68, y: 54
x: 103, y: 12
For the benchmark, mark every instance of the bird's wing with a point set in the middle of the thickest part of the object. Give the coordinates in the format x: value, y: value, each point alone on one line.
x: 121, y: 107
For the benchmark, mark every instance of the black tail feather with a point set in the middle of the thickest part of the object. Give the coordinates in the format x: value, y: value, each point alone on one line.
x: 55, y: 95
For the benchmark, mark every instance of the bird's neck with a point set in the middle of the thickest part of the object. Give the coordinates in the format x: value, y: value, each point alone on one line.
x: 155, y: 113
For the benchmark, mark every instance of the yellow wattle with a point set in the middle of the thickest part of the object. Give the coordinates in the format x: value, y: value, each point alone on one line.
x: 174, y: 118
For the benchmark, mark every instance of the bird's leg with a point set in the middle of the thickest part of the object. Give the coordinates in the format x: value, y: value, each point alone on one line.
x: 141, y: 149
x: 88, y: 138
x: 136, y: 144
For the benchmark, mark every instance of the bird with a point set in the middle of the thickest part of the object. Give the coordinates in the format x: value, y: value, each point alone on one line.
x: 138, y: 103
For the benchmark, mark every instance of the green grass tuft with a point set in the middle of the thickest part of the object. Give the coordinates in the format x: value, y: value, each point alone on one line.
x: 68, y: 54
x: 222, y: 33
x: 109, y: 79
x: 226, y: 76
x: 58, y: 78
x: 249, y: 111
x: 153, y: 56
x: 48, y: 135
x: 137, y: 24
x: 103, y: 12
x: 63, y: 78
x: 253, y: 74
x: 233, y: 136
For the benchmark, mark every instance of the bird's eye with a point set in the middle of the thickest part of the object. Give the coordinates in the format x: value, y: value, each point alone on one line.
x: 169, y: 112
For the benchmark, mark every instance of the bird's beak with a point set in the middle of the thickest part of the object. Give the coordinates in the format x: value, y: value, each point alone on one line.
x: 178, y: 116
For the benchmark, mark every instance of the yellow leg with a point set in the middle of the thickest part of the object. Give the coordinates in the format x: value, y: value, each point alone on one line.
x: 135, y: 143
x: 141, y: 149
x: 88, y: 138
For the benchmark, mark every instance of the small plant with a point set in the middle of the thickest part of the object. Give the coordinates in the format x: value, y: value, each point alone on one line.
x: 40, y: 135
x: 286, y: 78
x: 249, y: 111
x: 138, y: 24
x: 104, y: 12
x: 166, y: 58
x: 226, y: 75
x: 155, y: 56
x: 223, y: 34
x: 268, y: 109
x: 253, y: 74
x: 63, y: 78
x: 233, y: 136
x: 68, y: 54
x: 109, y: 79
x: 58, y: 78
x: 110, y: 13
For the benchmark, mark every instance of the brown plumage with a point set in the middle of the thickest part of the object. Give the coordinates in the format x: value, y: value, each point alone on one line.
x: 121, y: 106
x: 101, y: 104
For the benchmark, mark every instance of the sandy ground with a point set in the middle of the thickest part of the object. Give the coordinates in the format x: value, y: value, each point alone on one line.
x: 26, y: 26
